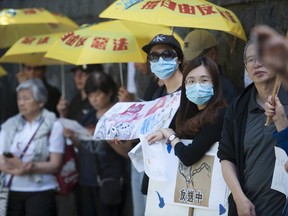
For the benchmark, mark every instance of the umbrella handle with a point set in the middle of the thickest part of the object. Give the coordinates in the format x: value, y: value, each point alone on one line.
x: 62, y: 80
x: 121, y: 75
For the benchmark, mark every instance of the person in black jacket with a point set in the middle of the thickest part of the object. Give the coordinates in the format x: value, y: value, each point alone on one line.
x: 246, y: 148
x: 201, y: 112
x: 165, y: 59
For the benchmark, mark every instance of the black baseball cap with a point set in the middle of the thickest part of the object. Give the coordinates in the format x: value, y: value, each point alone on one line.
x: 88, y: 68
x: 162, y: 39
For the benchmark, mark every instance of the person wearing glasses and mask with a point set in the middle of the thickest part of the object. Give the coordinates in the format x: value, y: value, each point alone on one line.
x: 201, y: 112
x: 164, y: 59
x: 246, y: 148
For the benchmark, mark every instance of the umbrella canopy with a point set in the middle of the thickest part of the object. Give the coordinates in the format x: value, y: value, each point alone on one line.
x: 31, y: 50
x: 3, y: 72
x: 15, y: 24
x: 107, y: 42
x: 181, y: 13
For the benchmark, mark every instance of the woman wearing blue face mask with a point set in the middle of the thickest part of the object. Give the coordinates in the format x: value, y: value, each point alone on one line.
x: 201, y: 112
x: 165, y: 61
x: 164, y: 57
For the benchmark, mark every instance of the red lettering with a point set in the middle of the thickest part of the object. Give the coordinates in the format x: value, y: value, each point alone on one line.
x: 66, y: 36
x: 28, y: 40
x: 187, y: 9
x: 169, y: 4
x: 100, y: 43
x: 29, y: 11
x: 150, y: 5
x: 205, y: 9
x: 81, y: 41
x: 227, y: 15
x: 44, y: 40
x: 72, y: 40
x: 121, y: 44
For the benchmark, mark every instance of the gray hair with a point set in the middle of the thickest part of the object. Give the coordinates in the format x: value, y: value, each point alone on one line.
x: 37, y: 88
x: 250, y: 42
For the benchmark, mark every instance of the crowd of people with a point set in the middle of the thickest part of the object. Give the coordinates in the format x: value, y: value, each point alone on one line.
x: 32, y: 139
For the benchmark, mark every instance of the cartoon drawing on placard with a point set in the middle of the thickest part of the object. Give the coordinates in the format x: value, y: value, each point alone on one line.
x: 120, y: 125
x: 125, y: 121
x: 100, y: 135
x: 160, y: 114
x: 193, y: 184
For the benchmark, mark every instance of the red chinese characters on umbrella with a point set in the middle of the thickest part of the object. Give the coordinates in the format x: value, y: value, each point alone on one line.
x: 32, y: 11
x: 97, y: 42
x: 34, y: 40
x: 203, y: 9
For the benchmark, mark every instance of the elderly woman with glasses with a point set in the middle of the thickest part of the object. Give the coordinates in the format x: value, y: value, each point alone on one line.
x: 201, y: 112
x: 31, y: 148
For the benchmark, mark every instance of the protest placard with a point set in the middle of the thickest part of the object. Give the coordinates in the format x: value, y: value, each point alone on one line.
x: 127, y: 121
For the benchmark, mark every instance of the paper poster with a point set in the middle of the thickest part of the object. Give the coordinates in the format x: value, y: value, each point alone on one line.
x: 280, y: 176
x: 200, y: 185
x: 81, y: 132
x: 127, y: 121
x: 160, y: 163
x: 156, y: 204
x: 136, y: 157
x: 193, y: 184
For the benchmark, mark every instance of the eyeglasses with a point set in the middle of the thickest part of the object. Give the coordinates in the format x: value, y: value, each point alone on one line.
x: 250, y: 62
x: 166, y: 55
x: 203, y: 80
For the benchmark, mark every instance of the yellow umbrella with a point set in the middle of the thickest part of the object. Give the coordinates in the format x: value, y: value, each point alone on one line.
x: 17, y: 23
x: 3, y: 72
x: 181, y: 13
x: 107, y: 42
x: 31, y: 50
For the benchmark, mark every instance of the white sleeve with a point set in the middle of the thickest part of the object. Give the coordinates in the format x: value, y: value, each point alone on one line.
x: 56, y: 139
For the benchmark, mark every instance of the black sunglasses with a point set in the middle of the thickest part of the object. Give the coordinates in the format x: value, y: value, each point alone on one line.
x: 167, y: 55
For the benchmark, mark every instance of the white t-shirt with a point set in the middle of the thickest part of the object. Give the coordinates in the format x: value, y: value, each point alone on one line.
x: 39, y: 182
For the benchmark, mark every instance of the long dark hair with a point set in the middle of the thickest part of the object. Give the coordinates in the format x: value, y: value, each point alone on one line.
x: 189, y: 120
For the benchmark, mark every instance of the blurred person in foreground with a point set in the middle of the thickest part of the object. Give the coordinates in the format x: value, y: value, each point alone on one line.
x: 33, y: 185
x: 272, y: 49
x: 246, y: 148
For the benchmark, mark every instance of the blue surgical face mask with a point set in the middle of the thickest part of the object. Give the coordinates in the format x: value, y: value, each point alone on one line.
x: 164, y: 69
x: 199, y: 93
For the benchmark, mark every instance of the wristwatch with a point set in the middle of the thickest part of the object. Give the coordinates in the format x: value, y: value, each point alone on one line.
x: 171, y: 138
